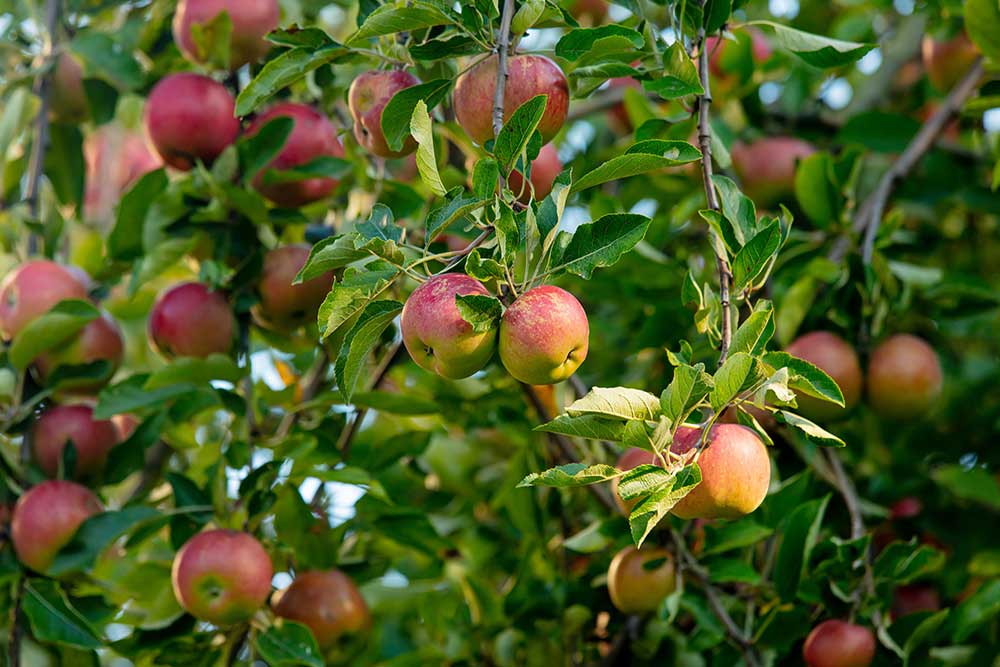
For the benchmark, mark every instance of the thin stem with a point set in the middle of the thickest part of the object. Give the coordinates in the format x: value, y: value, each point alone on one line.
x: 503, y: 48
x: 347, y: 436
x: 16, y: 629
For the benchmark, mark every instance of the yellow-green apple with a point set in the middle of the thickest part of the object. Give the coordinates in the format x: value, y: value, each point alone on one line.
x: 59, y: 425
x: 115, y: 158
x: 367, y: 97
x: 946, y: 62
x: 544, y: 170
x: 837, y: 358
x: 544, y: 336
x: 32, y: 289
x: 67, y: 95
x: 326, y: 602
x: 222, y: 576
x: 45, y: 519
x: 191, y: 320
x: 189, y: 117
x: 251, y: 21
x: 436, y: 336
x: 99, y: 340
x: 766, y: 167
x: 904, y: 377
x: 313, y: 136
x: 527, y: 76
x: 640, y: 579
x: 283, y: 305
x: 839, y: 644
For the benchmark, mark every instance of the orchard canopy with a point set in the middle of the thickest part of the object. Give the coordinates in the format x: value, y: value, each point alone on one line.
x: 499, y: 333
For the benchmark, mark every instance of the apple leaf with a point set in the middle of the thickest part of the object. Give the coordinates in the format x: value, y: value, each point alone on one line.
x: 602, y: 243
x: 284, y: 70
x: 640, y: 158
x: 807, y: 378
x: 512, y: 140
x: 756, y: 330
x: 617, y: 402
x: 903, y: 562
x: 660, y: 490
x: 421, y: 129
x: 196, y: 371
x: 459, y: 205
x: 396, y: 17
x: 580, y: 42
x: 63, y: 322
x: 351, y: 295
x: 333, y: 252
x: 396, y: 115
x: 753, y: 259
x: 738, y: 374
x: 212, y: 39
x: 54, y: 619
x: 95, y: 535
x: 125, y: 238
x: 982, y: 21
x: 481, y: 312
x: 590, y: 426
x: 325, y: 166
x: 258, y: 149
x: 813, y: 432
x: 289, y: 644
x: 395, y: 403
x: 360, y: 340
x: 815, y: 50
x: 570, y: 475
x: 687, y: 389
x: 680, y: 77
x: 799, y: 536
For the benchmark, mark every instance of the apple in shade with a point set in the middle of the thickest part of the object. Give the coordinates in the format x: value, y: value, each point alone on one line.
x: 32, y: 289
x: 947, y: 61
x: 434, y: 333
x: 367, y: 97
x: 720, y: 50
x: 640, y: 579
x: 284, y: 305
x: 191, y: 320
x: 837, y: 358
x: 126, y: 425
x: 46, y: 518
x: 313, y: 136
x: 60, y: 424
x: 904, y: 377
x: 99, y: 340
x: 327, y: 602
x: 251, y: 20
x: 189, y: 117
x: 839, y: 644
x: 544, y: 170
x: 68, y: 98
x: 544, y: 336
x: 914, y: 598
x: 766, y: 167
x: 116, y: 158
x: 527, y: 77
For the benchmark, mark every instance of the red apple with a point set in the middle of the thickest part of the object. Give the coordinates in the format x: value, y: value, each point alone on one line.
x: 640, y: 579
x: 367, y: 97
x: 32, y: 289
x: 328, y: 603
x: 719, y: 48
x: 588, y: 12
x: 946, y: 62
x: 190, y: 320
x: 436, y: 336
x: 222, y: 576
x: 832, y: 354
x: 45, y: 519
x: 908, y: 507
x: 839, y: 644
x: 189, y: 117
x: 312, y: 136
x: 914, y: 598
x: 904, y: 377
x: 766, y: 167
x: 282, y: 304
x: 99, y: 340
x: 544, y: 170
x: 116, y: 158
x: 68, y: 98
x: 60, y: 424
x: 251, y: 20
x: 544, y: 336
x: 527, y: 76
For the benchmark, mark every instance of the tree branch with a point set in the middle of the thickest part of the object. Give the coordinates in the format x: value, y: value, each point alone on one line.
x: 16, y: 630
x: 503, y: 51
x: 347, y: 436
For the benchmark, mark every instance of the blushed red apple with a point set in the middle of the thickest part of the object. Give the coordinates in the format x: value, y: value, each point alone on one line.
x: 946, y: 62
x: 544, y: 170
x: 251, y: 20
x: 904, y: 377
x: 282, y: 304
x: 327, y: 602
x: 99, y: 340
x: 766, y: 167
x: 544, y: 336
x: 45, y: 519
x: 837, y: 358
x: 58, y: 425
x: 190, y: 320
x: 32, y: 289
x: 640, y: 579
x: 839, y: 644
x: 367, y: 97
x: 116, y: 158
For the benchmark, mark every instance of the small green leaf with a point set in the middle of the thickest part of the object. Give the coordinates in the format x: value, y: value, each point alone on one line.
x: 570, y: 475
x: 289, y: 644
x: 351, y: 295
x: 640, y: 158
x: 196, y: 371
x: 812, y: 431
x: 617, y: 403
x: 756, y: 330
x: 396, y: 115
x: 660, y: 499
x: 738, y: 374
x: 421, y: 129
x: 754, y: 258
x: 982, y: 22
x: 590, y: 426
x: 396, y: 17
x: 602, y: 243
x: 680, y: 77
x: 512, y: 140
x: 54, y: 619
x: 63, y: 322
x: 816, y: 50
x: 284, y: 70
x: 396, y: 403
x: 799, y: 536
x: 807, y: 378
x: 580, y: 41
x: 360, y: 341
x: 258, y: 149
x: 95, y: 535
x: 333, y: 252
x: 686, y: 390
x: 481, y: 312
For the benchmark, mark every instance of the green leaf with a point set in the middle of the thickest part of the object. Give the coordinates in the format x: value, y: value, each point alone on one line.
x: 399, y: 17
x: 570, y: 475
x: 512, y: 140
x: 590, y: 426
x: 397, y: 113
x: 734, y: 535
x: 815, y: 192
x: 737, y: 208
x: 421, y: 129
x: 324, y: 166
x: 815, y: 50
x: 738, y: 374
x: 396, y: 403
x: 381, y: 225
x: 732, y: 571
x: 107, y: 59
x: 284, y: 70
x: 64, y: 163
x: 602, y: 242
x: 798, y: 539
x: 333, y: 252
x: 982, y: 22
x: 360, y: 341
x: 687, y: 389
x: 618, y: 403
x: 485, y: 176
x: 63, y: 322
x: 481, y: 312
x: 753, y: 259
x: 923, y: 633
x: 196, y: 371
x: 658, y: 499
x: 441, y: 49
x: 130, y: 395
x: 459, y: 205
x: 904, y: 562
x: 289, y: 644
x: 258, y: 149
x: 350, y: 296
x: 125, y: 239
x: 972, y: 484
x: 640, y: 158
x: 526, y: 16
x: 975, y: 611
x: 807, y: 378
x: 716, y: 14
x: 481, y: 268
x: 54, y: 619
x: 680, y: 77
x: 213, y: 39
x: 580, y: 41
x: 95, y: 535
x: 813, y: 432
x: 756, y: 330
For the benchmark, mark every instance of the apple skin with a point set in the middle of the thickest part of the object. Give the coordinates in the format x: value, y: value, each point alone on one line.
x: 313, y: 136
x: 634, y: 589
x: 284, y: 306
x: 32, y: 289
x: 367, y: 97
x: 760, y: 50
x: 251, y: 19
x: 190, y: 320
x: 914, y: 598
x: 832, y: 354
x: 946, y: 62
x: 839, y: 644
x: 631, y: 458
x: 68, y: 96
x: 222, y: 576
x: 327, y: 602
x: 436, y: 336
x: 527, y: 76
x: 907, y: 507
x: 116, y: 158
x: 766, y: 167
x: 544, y: 170
x: 99, y: 340
x: 59, y: 424
x: 904, y: 377
x: 189, y: 117
x: 588, y: 12
x: 45, y: 519
x: 126, y: 425
x: 544, y: 336
x: 735, y: 473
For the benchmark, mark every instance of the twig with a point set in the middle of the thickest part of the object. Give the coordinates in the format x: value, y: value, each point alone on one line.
x: 619, y: 649
x: 476, y: 242
x: 16, y: 629
x: 313, y: 381
x: 503, y: 49
x: 238, y: 639
x: 347, y: 436
x: 156, y: 460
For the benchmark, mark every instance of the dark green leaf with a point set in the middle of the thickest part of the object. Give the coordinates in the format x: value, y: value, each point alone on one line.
x: 44, y: 333
x: 397, y: 113
x: 289, y: 644
x: 798, y: 539
x: 512, y: 140
x: 481, y: 312
x: 95, y: 535
x: 54, y: 619
x: 360, y: 341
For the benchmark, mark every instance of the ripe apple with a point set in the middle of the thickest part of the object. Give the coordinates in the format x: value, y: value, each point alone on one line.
x: 284, y: 305
x: 367, y: 97
x: 832, y: 354
x: 190, y: 320
x: 912, y: 598
x: 632, y: 458
x: 46, y: 518
x: 527, y: 76
x: 588, y: 12
x: 544, y: 336
x: 544, y: 170
x: 766, y: 167
x: 189, y: 117
x: 947, y: 61
x: 735, y: 472
x: 60, y: 424
x: 436, y: 336
x: 640, y: 579
x: 907, y: 507
x: 719, y: 50
x: 839, y: 644
x: 904, y: 377
x: 116, y: 158
x: 67, y: 95
x: 251, y: 19
x: 99, y: 340
x: 32, y: 289
x: 328, y: 603
x: 313, y: 136
x: 222, y: 576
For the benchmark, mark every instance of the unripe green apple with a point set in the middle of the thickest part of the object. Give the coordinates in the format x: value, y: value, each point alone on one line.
x: 640, y: 579
x: 544, y: 170
x: 766, y: 167
x: 839, y: 644
x: 946, y: 62
x: 60, y: 424
x: 222, y: 576
x: 68, y: 96
x: 283, y: 305
x: 835, y: 356
x: 326, y: 602
x: 190, y: 320
x: 904, y: 377
x: 544, y: 336
x: 367, y: 97
x: 436, y: 336
x: 45, y: 519
x: 251, y: 20
x: 32, y: 289
x: 99, y: 340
